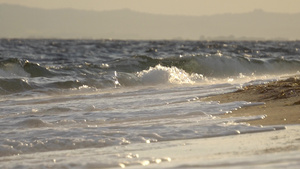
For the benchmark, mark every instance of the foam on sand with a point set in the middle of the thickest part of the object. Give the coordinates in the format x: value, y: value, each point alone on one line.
x: 279, y: 148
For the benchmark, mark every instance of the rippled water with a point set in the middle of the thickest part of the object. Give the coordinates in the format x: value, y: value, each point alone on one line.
x: 58, y: 96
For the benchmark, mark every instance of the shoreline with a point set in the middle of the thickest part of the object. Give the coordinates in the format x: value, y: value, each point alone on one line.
x: 278, y: 148
x: 281, y: 98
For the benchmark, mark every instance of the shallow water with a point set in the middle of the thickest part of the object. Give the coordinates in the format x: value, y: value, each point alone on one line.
x: 64, y: 98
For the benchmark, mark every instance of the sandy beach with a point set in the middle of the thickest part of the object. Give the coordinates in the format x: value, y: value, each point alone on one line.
x: 134, y: 104
x: 277, y: 146
x: 281, y: 98
x: 271, y: 149
x: 276, y: 149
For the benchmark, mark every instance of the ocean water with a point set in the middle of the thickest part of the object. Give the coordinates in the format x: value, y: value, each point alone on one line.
x: 62, y: 101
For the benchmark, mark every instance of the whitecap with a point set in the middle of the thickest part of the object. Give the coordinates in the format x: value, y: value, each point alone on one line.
x: 162, y: 75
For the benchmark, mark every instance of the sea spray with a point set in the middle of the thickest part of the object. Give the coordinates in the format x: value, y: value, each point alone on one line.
x: 83, y: 103
x: 160, y: 75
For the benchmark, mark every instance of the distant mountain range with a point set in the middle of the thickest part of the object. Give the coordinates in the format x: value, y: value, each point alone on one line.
x: 24, y: 22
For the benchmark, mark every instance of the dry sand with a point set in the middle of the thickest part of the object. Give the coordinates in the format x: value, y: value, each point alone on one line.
x: 281, y: 98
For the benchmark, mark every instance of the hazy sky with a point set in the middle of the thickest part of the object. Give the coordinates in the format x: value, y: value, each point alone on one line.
x: 177, y: 7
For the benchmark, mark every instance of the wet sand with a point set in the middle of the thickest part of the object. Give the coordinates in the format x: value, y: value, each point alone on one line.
x: 268, y: 150
x: 281, y: 98
x: 278, y: 148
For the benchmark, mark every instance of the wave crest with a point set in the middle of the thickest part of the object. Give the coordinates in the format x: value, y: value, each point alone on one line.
x: 161, y: 75
x: 222, y: 66
x: 14, y: 67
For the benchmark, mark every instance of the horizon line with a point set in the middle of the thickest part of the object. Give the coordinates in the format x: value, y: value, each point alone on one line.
x: 137, y: 11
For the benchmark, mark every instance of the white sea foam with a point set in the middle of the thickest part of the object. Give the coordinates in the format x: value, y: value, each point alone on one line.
x: 120, y: 117
x: 161, y: 75
x: 75, y: 109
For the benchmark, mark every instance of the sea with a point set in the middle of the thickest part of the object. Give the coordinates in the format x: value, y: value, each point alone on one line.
x: 78, y: 103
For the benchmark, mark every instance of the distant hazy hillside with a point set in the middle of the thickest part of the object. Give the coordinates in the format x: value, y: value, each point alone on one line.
x: 23, y: 22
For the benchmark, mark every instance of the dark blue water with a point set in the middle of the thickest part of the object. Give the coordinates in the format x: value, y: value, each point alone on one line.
x: 95, y: 96
x: 52, y: 65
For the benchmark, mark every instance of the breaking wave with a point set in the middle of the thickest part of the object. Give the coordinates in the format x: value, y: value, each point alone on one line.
x: 18, y: 75
x: 225, y: 66
x: 160, y: 74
